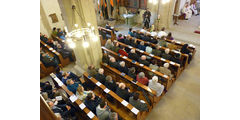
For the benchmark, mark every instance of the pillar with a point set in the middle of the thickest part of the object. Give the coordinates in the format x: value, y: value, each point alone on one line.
x: 166, y: 11
x: 85, y: 8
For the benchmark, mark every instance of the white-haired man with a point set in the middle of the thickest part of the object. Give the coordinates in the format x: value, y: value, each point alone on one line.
x: 123, y: 68
x: 153, y: 84
x: 166, y: 54
x: 165, y: 70
x: 100, y: 76
x: 133, y: 55
x: 113, y: 63
x: 143, y: 60
x: 123, y: 92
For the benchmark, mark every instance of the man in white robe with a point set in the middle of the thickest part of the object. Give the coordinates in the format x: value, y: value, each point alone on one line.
x: 187, y: 11
x: 194, y: 9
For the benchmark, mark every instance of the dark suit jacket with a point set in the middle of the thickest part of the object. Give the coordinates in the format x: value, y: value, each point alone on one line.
x: 112, y: 86
x: 124, y: 94
x: 145, y: 62
x: 92, y: 104
x: 123, y: 69
x: 133, y: 56
x: 167, y: 56
x: 101, y: 78
x: 114, y: 65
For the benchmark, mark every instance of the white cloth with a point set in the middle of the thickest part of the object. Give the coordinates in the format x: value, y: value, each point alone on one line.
x: 156, y: 86
x: 153, y: 33
x: 142, y: 30
x: 162, y: 33
x: 187, y: 11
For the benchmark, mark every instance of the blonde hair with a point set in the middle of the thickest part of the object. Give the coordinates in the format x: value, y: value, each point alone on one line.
x: 68, y: 81
x: 79, y: 90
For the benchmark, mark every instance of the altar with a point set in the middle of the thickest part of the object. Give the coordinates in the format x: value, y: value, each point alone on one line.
x: 129, y: 18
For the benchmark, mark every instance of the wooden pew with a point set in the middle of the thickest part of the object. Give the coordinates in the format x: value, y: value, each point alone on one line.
x: 107, y: 31
x: 160, y: 60
x: 119, y: 77
x: 122, y: 107
x: 45, y: 112
x: 184, y: 57
x: 45, y: 71
x: 178, y: 43
x: 74, y: 99
x: 140, y: 67
x: 63, y: 61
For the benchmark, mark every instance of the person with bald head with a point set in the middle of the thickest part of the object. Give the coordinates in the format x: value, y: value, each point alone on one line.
x: 133, y: 55
x: 143, y: 60
x: 165, y: 70
x: 123, y: 92
x: 166, y: 54
x: 113, y: 63
x: 100, y: 76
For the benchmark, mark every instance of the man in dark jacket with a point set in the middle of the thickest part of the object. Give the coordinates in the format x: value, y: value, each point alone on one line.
x: 63, y: 109
x: 64, y: 52
x: 122, y: 67
x: 143, y: 60
x: 157, y: 51
x: 92, y: 102
x: 166, y: 55
x: 100, y: 76
x: 133, y: 55
x: 110, y: 84
x: 136, y: 102
x: 123, y: 92
x: 113, y: 63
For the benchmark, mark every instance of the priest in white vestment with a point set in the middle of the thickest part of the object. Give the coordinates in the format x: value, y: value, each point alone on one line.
x: 194, y: 9
x: 187, y: 11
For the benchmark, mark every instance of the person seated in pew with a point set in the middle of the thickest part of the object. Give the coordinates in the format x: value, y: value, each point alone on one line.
x: 142, y: 79
x: 122, y: 67
x: 127, y: 40
x: 133, y: 55
x: 155, y: 85
x: 120, y: 38
x: 132, y: 73
x: 165, y: 70
x: 65, y: 53
x: 153, y: 66
x: 149, y: 49
x: 70, y: 75
x: 72, y: 86
x: 43, y: 37
x: 141, y: 46
x: 108, y: 26
x: 110, y: 83
x: 113, y: 63
x: 143, y: 60
x: 133, y: 42
x: 48, y: 60
x: 109, y: 44
x: 130, y: 32
x: 92, y: 101
x: 92, y: 71
x: 169, y: 36
x: 154, y: 33
x: 65, y: 110
x: 137, y: 103
x: 100, y: 76
x: 123, y: 92
x: 103, y: 111
x: 138, y: 34
x: 60, y: 34
x: 105, y: 59
x: 154, y: 40
x: 50, y: 42
x: 122, y: 51
x: 146, y: 37
x: 176, y: 58
x: 46, y: 88
x: 185, y: 50
x: 81, y: 93
x: 116, y: 47
x: 162, y: 42
x: 157, y: 51
x: 54, y: 31
x: 166, y: 54
x: 162, y: 33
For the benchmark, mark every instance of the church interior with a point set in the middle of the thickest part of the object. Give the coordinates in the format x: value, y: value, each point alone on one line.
x: 119, y: 59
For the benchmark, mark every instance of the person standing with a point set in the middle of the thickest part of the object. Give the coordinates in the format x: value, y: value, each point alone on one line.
x: 187, y: 11
x: 146, y: 18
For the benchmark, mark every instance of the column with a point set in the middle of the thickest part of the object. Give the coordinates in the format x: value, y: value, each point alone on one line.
x: 93, y: 53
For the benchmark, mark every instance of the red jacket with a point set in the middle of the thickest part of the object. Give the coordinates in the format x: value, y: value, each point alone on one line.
x: 122, y: 52
x: 143, y: 80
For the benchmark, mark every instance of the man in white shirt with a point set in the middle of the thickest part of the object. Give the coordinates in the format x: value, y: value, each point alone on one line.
x: 162, y: 32
x: 187, y: 11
